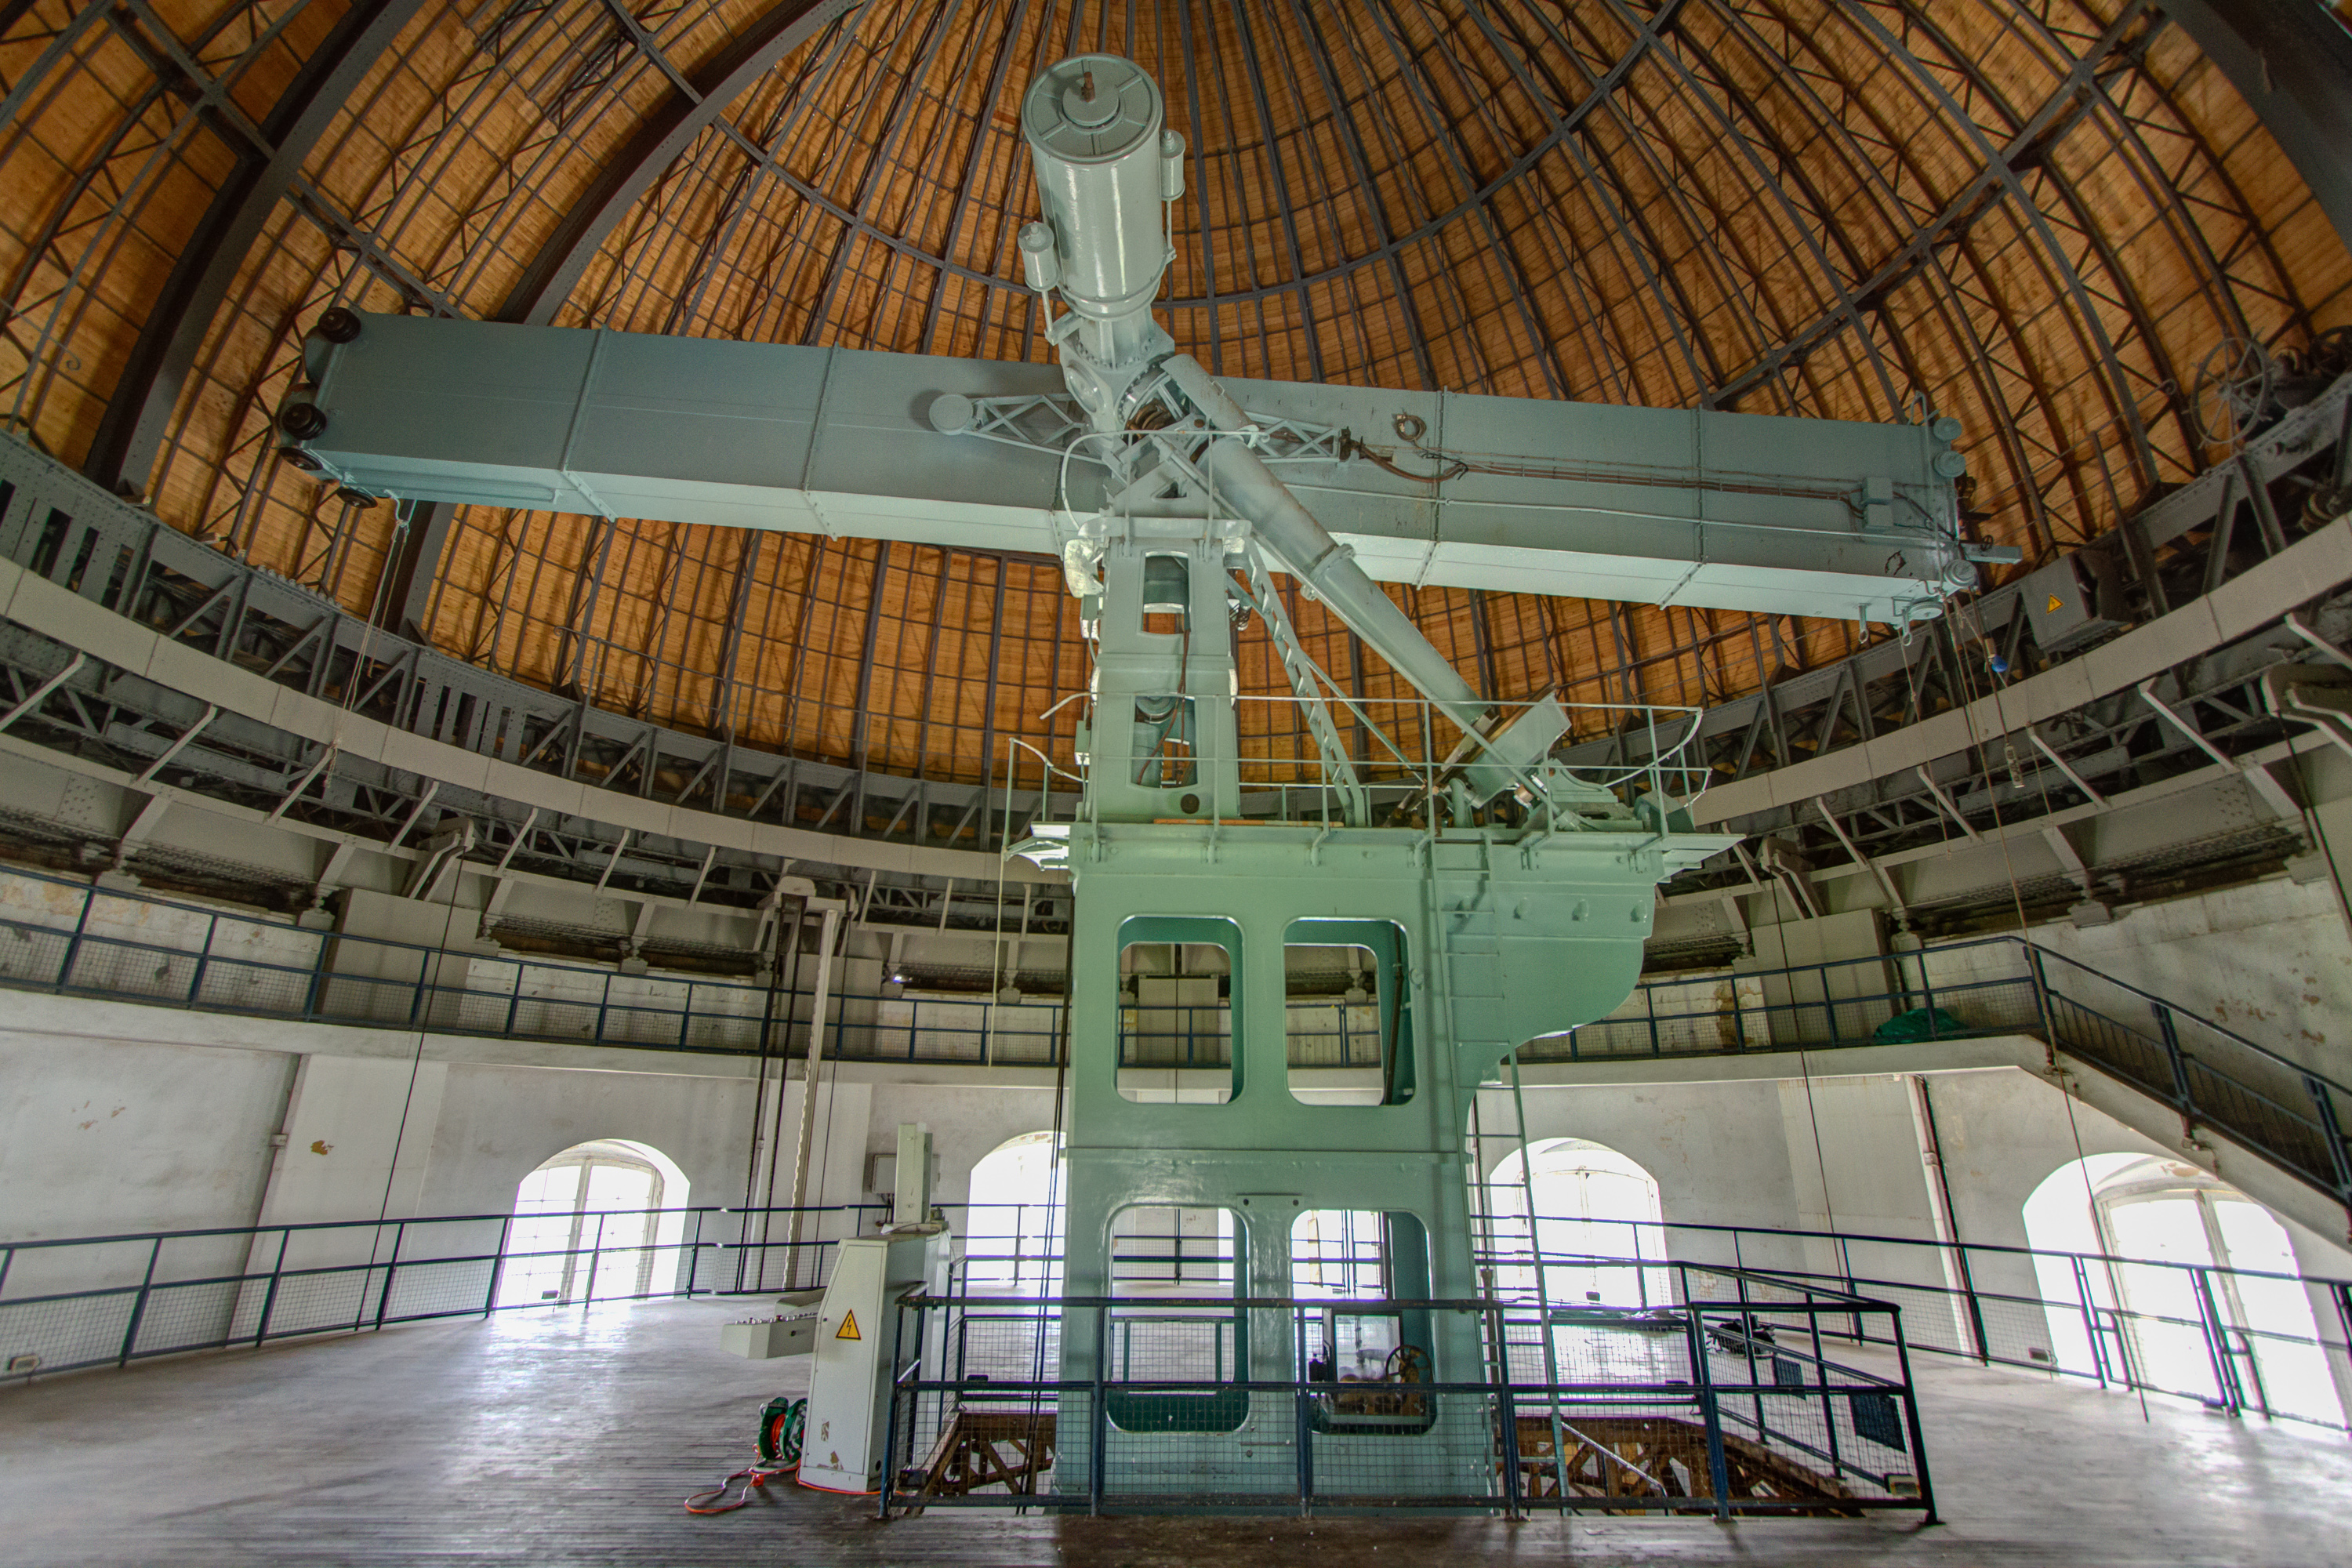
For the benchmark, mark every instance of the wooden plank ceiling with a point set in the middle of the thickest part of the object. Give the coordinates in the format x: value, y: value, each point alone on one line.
x: 2037, y: 217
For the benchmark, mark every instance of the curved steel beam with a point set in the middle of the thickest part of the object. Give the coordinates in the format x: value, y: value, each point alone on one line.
x: 696, y: 100
x: 130, y: 433
x: 666, y: 132
x: 2293, y: 65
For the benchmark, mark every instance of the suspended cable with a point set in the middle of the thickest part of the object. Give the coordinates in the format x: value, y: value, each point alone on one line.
x: 415, y: 1064
x: 2040, y: 997
x: 1054, y: 1246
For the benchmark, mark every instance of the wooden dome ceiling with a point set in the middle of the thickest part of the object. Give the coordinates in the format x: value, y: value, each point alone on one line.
x: 2036, y: 216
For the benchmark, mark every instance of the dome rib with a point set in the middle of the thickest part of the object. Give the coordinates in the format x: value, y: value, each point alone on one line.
x: 2036, y: 218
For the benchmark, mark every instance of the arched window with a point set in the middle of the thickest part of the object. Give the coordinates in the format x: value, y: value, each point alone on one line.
x: 598, y: 1222
x: 1012, y: 1224
x: 2193, y: 1296
x: 1596, y: 1212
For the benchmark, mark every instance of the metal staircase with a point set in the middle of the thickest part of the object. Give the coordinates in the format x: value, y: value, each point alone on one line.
x: 2212, y: 1076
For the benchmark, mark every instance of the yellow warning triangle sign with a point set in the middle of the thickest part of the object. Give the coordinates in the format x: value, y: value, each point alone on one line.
x: 2055, y: 606
x: 849, y: 1329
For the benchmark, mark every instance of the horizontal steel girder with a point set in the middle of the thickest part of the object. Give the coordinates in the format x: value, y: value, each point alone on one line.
x: 1722, y: 510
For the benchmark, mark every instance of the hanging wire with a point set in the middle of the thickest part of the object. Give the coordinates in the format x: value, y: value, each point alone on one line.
x: 2042, y: 1003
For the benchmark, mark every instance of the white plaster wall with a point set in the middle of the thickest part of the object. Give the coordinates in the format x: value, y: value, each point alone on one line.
x: 498, y: 1124
x: 966, y: 1125
x: 1719, y: 1151
x: 99, y: 1133
x: 1853, y: 1155
x: 2270, y: 959
x: 1744, y: 1152
x: 113, y: 1140
x: 98, y: 1139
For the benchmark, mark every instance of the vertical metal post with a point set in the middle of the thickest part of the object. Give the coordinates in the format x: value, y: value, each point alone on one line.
x: 269, y: 1296
x: 1507, y: 1408
x: 1821, y: 1380
x: 2217, y: 1347
x: 2042, y: 1012
x: 203, y: 961
x: 693, y: 1257
x: 498, y: 1266
x: 417, y: 991
x: 383, y: 1297
x: 1536, y: 1257
x: 2331, y: 1128
x: 73, y: 946
x: 316, y: 985
x: 2090, y: 1317
x: 1748, y: 1346
x: 1098, y: 1419
x: 1718, y: 1470
x: 2182, y: 1100
x: 890, y: 1418
x: 596, y: 1258
x: 1302, y: 1424
x: 1911, y: 1421
x: 809, y: 1075
x: 139, y: 1307
x: 1976, y: 1307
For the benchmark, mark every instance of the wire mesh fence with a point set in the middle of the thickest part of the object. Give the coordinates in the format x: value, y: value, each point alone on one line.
x: 1739, y: 1392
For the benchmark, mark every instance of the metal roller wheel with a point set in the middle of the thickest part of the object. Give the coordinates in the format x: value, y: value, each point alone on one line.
x: 2236, y: 383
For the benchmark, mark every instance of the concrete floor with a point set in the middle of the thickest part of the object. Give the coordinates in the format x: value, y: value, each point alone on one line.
x: 570, y: 1438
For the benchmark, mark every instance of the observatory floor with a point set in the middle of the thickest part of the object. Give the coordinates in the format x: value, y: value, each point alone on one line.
x: 569, y: 1438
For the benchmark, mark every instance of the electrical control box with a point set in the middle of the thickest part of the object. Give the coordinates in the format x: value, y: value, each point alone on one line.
x: 859, y: 1355
x: 2069, y: 600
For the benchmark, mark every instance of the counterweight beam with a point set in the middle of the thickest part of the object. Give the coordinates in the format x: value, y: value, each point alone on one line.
x: 1657, y: 506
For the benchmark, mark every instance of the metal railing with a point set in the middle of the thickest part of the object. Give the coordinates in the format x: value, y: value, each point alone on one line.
x: 1727, y: 1399
x: 2238, y: 1340
x: 2242, y: 1341
x: 2212, y: 1076
x: 1406, y: 750
x: 84, y: 1301
x: 63, y: 936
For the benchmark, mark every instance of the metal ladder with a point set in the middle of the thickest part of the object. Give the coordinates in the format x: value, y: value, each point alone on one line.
x: 1307, y: 680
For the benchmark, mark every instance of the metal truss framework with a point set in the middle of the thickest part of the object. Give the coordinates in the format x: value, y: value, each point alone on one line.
x: 1604, y: 258
x: 60, y: 528
x: 2206, y: 708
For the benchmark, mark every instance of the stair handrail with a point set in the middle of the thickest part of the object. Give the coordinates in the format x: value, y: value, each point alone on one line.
x: 2299, y: 1069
